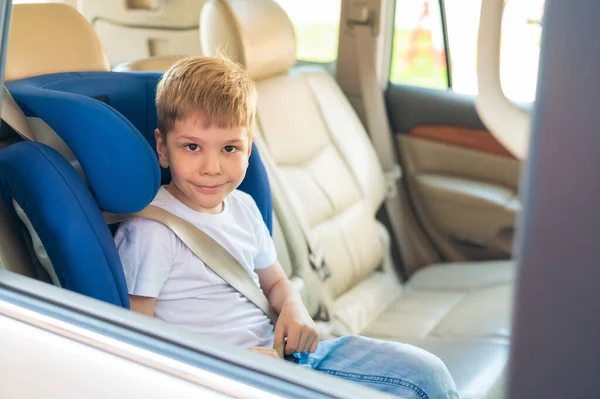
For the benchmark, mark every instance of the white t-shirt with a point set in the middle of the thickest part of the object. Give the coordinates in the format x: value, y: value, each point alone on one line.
x: 157, y: 264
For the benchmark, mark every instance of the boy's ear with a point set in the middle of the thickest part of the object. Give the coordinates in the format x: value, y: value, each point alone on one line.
x: 250, y: 147
x: 161, y: 148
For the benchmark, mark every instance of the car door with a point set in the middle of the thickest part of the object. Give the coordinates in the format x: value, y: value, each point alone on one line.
x: 462, y: 183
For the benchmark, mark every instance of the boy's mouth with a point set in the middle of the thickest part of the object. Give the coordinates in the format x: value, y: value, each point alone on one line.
x: 209, y: 189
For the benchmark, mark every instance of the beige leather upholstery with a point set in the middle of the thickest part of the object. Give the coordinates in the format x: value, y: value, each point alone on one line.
x: 139, y: 29
x: 318, y: 152
x: 451, y: 301
x: 268, y: 47
x: 159, y: 13
x: 480, y: 206
x: 154, y: 64
x: 125, y: 43
x: 37, y: 44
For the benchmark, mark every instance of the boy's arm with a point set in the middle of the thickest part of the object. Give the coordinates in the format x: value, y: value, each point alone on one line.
x: 142, y: 304
x: 294, y: 321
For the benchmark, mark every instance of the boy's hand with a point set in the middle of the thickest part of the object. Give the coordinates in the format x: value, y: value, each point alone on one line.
x: 296, y: 324
x: 265, y: 351
x: 294, y: 321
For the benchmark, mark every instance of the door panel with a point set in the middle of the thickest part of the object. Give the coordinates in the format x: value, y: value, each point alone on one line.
x: 472, y: 139
x: 412, y: 106
x: 462, y: 183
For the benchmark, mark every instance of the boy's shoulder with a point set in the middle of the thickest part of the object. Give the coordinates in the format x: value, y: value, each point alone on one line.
x: 242, y: 197
x: 144, y: 228
x: 244, y: 203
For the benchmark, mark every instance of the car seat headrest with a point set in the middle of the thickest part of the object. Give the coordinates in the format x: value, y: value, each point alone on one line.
x: 48, y: 38
x: 232, y: 28
x: 120, y: 166
x: 152, y: 64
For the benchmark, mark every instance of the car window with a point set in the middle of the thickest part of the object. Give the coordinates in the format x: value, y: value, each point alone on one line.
x: 419, y: 56
x: 418, y: 53
x: 316, y: 24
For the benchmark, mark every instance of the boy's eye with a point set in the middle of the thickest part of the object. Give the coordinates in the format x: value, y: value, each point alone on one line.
x: 192, y: 147
x: 230, y: 149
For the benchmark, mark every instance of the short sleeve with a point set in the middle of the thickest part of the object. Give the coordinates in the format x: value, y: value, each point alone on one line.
x: 146, y: 251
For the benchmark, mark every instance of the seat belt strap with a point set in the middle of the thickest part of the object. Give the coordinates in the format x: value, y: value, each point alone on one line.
x: 374, y: 106
x: 379, y: 129
x: 214, y: 256
x: 315, y: 256
x: 36, y: 130
x: 14, y: 116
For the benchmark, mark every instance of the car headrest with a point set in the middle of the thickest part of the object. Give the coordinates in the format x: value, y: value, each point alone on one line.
x: 119, y: 164
x: 48, y: 38
x: 257, y: 34
x: 153, y: 64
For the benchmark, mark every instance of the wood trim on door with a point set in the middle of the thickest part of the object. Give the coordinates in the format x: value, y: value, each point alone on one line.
x: 472, y: 139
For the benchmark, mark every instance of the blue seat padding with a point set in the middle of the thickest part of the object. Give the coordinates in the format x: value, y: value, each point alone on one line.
x: 256, y: 183
x: 118, y: 162
x: 66, y: 217
x: 132, y: 94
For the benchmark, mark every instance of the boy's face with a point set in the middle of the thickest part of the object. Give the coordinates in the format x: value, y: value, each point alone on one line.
x: 206, y: 164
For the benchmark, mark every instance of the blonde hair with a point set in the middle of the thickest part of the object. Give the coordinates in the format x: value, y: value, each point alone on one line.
x: 214, y: 87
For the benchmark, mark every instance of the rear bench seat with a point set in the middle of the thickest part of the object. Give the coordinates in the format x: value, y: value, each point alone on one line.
x: 319, y: 154
x: 144, y: 28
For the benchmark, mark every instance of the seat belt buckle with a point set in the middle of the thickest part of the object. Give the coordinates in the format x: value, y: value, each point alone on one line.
x: 318, y: 262
x: 391, y: 180
x: 322, y: 314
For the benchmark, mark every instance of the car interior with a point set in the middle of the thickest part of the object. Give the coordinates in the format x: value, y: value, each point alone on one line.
x: 84, y: 78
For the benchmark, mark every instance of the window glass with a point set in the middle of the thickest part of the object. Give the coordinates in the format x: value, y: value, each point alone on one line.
x: 316, y: 23
x: 418, y: 54
x: 462, y: 19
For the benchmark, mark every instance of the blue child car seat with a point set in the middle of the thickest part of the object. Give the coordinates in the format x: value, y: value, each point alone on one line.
x: 107, y: 119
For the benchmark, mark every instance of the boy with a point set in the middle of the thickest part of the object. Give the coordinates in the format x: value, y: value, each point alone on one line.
x: 206, y: 110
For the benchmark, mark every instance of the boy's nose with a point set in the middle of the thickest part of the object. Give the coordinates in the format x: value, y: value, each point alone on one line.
x: 211, y: 164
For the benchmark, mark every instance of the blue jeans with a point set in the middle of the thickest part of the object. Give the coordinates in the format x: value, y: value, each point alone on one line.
x: 399, y: 369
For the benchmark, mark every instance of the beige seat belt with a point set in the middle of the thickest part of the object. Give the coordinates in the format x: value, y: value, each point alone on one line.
x: 14, y: 116
x: 374, y: 107
x: 315, y: 255
x: 217, y: 258
x: 16, y: 119
x: 379, y: 128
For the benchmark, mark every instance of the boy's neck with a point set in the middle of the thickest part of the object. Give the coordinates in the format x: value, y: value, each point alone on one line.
x: 181, y: 197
